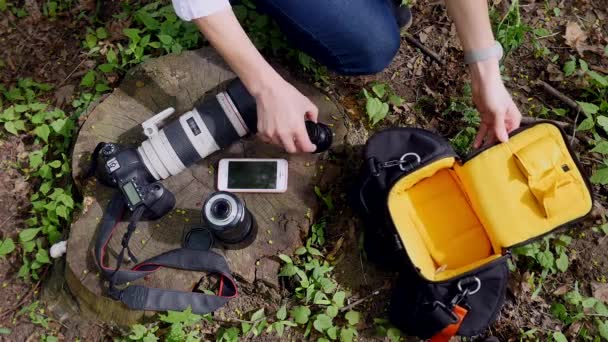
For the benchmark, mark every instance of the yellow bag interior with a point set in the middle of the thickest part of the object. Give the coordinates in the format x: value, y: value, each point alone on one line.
x: 454, y: 217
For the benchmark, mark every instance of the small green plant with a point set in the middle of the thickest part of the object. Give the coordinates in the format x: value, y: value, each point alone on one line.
x: 176, y: 326
x: 35, y: 314
x: 550, y: 254
x: 378, y: 101
x: 592, y: 313
x: 463, y: 105
x: 48, y: 167
x: 594, y: 106
x: 510, y: 31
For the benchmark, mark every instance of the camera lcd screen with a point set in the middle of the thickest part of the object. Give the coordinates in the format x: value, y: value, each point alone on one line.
x: 252, y: 174
x: 131, y: 193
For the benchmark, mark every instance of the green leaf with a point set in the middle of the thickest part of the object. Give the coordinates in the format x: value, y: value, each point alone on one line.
x: 62, y: 211
x: 245, y: 327
x: 106, y: 68
x: 301, y: 251
x: 562, y: 262
x: 38, y: 106
x: 279, y: 327
x: 28, y: 246
x: 322, y: 323
x: 601, y: 308
x: 541, y: 32
x: 10, y: 127
x: 4, y: 331
x: 602, y: 328
x: 338, y: 299
x: 321, y: 299
x: 137, y: 332
x: 559, y: 337
x: 101, y: 33
x: 347, y: 334
x: 601, y: 80
x: 395, y: 100
x: 586, y: 124
x: 102, y: 88
x: 546, y: 259
x: 588, y: 108
x: 90, y: 40
x: 584, y: 65
x: 288, y: 270
x: 314, y: 251
x: 602, y: 121
x: 43, y: 132
x: 6, y: 247
x: 379, y: 90
x: 111, y: 56
x: 600, y: 176
x: 570, y: 67
x: 393, y: 334
x: 42, y: 256
x: 589, y: 302
x: 602, y: 147
x: 257, y: 315
x: 54, y: 164
x: 285, y: 258
x: 88, y: 80
x: 282, y: 313
x: 28, y: 234
x: 332, y: 333
x: 58, y: 125
x: 332, y: 311
x: 165, y: 39
x: 300, y: 314
x: 376, y: 110
x: 352, y: 317
x: 185, y: 317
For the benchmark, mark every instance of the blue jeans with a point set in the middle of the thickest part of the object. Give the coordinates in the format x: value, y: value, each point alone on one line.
x: 350, y: 37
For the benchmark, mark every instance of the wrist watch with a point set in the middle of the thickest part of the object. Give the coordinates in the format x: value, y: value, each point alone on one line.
x: 480, y: 55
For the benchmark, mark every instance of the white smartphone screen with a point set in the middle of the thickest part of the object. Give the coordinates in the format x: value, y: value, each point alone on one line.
x: 252, y: 174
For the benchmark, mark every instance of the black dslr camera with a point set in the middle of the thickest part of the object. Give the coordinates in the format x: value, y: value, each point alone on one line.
x: 122, y: 168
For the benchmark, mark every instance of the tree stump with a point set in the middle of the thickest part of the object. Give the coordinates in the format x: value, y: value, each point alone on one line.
x: 178, y: 81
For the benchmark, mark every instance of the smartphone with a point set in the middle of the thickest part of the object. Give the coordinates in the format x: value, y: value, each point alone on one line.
x: 252, y: 175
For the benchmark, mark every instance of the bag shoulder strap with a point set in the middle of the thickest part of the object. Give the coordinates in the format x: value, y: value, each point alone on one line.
x: 140, y: 297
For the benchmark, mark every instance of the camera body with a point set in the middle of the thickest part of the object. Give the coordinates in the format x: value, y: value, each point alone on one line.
x: 122, y: 168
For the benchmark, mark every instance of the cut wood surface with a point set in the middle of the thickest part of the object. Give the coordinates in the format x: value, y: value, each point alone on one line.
x: 179, y: 81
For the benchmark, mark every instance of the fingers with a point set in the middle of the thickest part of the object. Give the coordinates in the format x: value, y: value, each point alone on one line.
x: 312, y: 113
x: 288, y: 143
x: 481, y: 134
x: 514, y: 116
x: 500, y: 130
x: 303, y: 142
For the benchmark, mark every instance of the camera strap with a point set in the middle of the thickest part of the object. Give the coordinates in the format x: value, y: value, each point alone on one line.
x: 140, y: 297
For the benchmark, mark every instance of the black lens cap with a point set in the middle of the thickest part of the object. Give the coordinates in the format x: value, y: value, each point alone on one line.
x: 199, y: 239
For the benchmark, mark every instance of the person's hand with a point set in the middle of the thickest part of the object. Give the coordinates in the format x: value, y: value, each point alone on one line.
x: 282, y: 111
x: 499, y: 114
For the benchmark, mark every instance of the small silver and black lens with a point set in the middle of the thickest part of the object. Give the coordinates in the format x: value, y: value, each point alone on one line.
x: 227, y: 217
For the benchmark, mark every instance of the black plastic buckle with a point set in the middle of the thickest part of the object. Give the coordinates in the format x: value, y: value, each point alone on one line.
x: 437, y: 305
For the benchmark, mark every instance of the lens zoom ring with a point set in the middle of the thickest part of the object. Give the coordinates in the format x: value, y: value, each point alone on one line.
x: 217, y: 122
x: 181, y: 144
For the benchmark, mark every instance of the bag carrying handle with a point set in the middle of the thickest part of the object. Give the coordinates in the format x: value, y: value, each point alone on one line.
x: 144, y: 298
x: 376, y: 168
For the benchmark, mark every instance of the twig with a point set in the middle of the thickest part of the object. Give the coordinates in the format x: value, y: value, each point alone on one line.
x: 236, y: 320
x: 357, y: 302
x: 599, y: 69
x: 434, y: 56
x: 527, y: 120
x: 559, y: 95
x: 71, y: 73
x: 8, y: 218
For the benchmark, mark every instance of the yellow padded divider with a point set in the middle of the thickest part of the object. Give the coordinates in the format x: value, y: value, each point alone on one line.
x: 439, y: 230
x: 526, y: 187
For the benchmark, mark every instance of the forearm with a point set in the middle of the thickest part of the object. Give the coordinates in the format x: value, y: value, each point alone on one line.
x: 472, y: 23
x: 475, y: 33
x: 225, y: 33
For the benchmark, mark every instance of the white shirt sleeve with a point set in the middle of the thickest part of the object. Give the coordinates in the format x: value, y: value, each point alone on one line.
x: 193, y: 9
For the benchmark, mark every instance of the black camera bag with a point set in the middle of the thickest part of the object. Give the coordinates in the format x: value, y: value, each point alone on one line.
x: 434, y: 301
